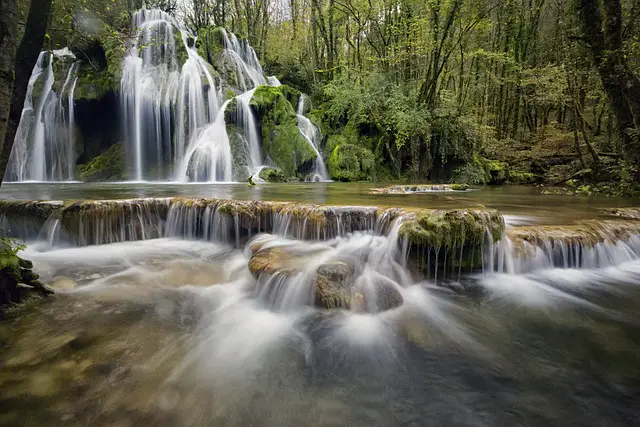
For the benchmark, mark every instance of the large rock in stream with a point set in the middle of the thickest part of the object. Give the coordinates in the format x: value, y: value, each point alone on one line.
x: 333, y: 281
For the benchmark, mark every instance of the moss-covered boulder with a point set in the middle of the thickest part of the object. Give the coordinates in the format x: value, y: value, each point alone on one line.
x: 210, y: 43
x: 272, y: 175
x: 108, y: 166
x: 292, y: 95
x: 520, y: 177
x: 239, y: 153
x: 497, y: 172
x: 281, y: 138
x: 481, y: 171
x: 451, y: 240
x: 351, y: 163
x: 17, y: 279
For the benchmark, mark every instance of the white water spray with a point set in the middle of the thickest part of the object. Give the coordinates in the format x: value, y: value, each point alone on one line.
x: 45, y: 139
x: 310, y: 134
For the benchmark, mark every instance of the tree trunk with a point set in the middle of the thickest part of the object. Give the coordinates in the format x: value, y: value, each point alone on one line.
x: 8, y: 31
x: 26, y: 58
x: 619, y: 81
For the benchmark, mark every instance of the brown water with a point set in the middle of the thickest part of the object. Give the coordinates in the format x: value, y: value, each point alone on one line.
x: 522, y: 201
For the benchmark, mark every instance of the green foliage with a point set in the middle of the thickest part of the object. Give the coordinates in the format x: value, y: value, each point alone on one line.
x: 351, y: 163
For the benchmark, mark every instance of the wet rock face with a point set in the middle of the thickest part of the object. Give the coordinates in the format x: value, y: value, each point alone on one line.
x: 333, y: 285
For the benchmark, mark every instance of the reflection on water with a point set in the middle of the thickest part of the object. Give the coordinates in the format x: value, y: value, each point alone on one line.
x: 171, y: 333
x: 522, y: 202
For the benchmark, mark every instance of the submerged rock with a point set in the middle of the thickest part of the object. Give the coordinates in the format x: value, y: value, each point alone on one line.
x: 623, y: 213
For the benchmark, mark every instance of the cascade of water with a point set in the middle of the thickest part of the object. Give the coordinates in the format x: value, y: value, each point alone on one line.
x: 310, y: 134
x: 44, y: 144
x: 519, y: 257
x: 208, y: 156
x: 248, y: 122
x: 245, y: 60
x: 162, y: 101
x: 273, y: 81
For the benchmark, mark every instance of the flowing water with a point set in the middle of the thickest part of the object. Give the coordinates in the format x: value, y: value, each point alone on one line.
x: 174, y: 329
x: 311, y: 135
x: 44, y: 144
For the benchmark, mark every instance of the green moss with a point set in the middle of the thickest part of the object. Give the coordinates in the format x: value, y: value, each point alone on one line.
x: 332, y: 142
x: 480, y: 171
x: 519, y: 177
x: 497, y: 172
x: 239, y: 153
x: 459, y: 187
x: 108, y: 166
x: 281, y: 138
x: 351, y: 163
x: 210, y: 43
x: 292, y: 95
x: 453, y: 229
x: 272, y: 175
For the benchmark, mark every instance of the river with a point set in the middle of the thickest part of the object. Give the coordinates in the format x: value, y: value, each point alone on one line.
x: 173, y: 331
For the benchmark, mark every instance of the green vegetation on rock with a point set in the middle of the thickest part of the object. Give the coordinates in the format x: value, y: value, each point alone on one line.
x: 108, y: 166
x: 281, y: 138
x: 17, y: 280
x: 272, y: 175
x: 349, y: 162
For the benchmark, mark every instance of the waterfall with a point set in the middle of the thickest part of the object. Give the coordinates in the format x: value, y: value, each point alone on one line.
x: 310, y: 134
x: 247, y: 120
x: 208, y: 156
x: 245, y: 60
x: 162, y: 101
x: 44, y: 145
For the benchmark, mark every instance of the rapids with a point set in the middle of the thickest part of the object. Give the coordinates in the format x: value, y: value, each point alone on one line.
x: 174, y: 319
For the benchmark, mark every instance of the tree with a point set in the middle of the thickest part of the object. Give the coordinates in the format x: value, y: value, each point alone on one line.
x: 25, y: 59
x: 8, y: 31
x: 605, y: 40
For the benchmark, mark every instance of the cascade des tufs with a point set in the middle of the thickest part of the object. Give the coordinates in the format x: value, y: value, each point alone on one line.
x: 44, y: 145
x: 172, y: 104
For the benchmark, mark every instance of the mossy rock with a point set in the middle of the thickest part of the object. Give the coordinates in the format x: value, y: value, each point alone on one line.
x: 481, y: 171
x: 351, y: 163
x: 451, y: 241
x: 519, y: 177
x: 453, y: 229
x: 497, y: 172
x: 108, y: 166
x: 210, y: 43
x: 239, y: 153
x: 281, y: 138
x: 292, y: 95
x: 272, y: 175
